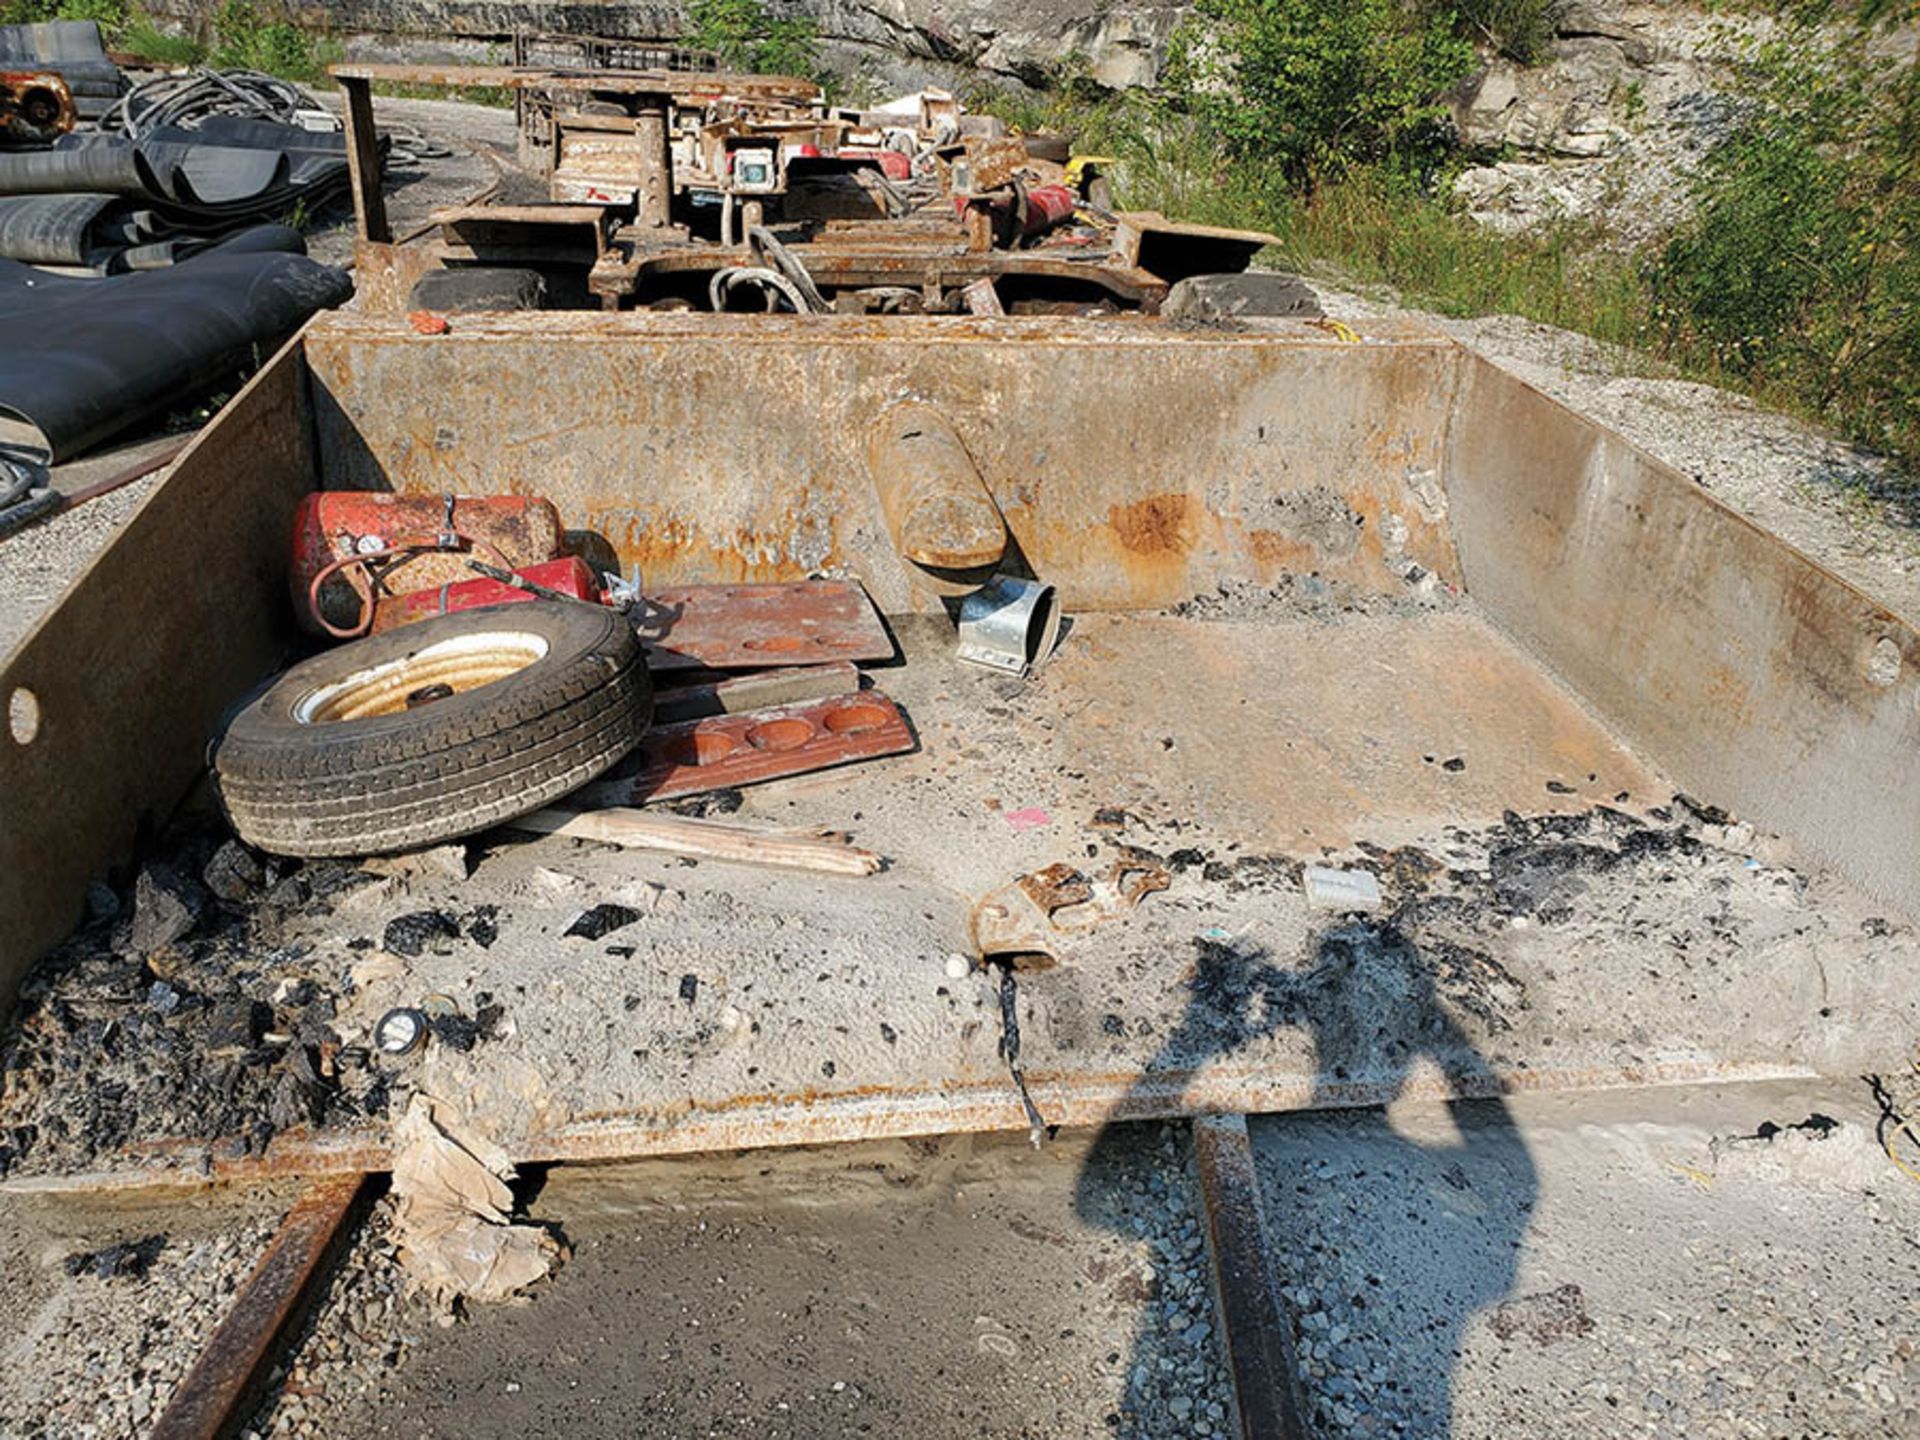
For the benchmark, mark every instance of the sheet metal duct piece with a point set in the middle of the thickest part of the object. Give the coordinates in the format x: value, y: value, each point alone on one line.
x: 1009, y: 624
x: 99, y: 355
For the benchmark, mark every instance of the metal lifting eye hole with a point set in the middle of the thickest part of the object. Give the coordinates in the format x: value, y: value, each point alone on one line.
x: 23, y: 716
x: 700, y: 748
x: 854, y: 719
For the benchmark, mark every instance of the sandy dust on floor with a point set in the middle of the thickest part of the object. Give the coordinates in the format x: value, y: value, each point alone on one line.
x: 1719, y: 1262
x: 965, y: 1286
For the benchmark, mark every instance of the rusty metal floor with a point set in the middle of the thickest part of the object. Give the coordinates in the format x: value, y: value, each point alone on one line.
x: 750, y: 1007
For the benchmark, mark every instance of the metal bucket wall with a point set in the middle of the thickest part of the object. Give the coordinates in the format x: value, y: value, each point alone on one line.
x: 1761, y: 681
x: 113, y: 696
x: 1136, y: 464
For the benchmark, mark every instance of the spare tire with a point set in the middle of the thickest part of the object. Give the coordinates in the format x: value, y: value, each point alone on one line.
x: 434, y: 730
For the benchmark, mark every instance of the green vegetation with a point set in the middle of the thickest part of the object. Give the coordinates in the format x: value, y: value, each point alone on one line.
x: 1315, y: 88
x: 1800, y: 270
x: 140, y: 36
x: 246, y: 38
x: 746, y: 37
x: 1797, y: 280
x: 110, y: 13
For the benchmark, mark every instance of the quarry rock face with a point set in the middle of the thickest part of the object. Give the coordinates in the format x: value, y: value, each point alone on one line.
x: 1606, y: 125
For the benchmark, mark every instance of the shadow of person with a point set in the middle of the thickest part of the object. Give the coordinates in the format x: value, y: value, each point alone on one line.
x: 1395, y: 1238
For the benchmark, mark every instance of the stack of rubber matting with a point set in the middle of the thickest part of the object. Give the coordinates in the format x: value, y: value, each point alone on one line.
x: 104, y: 203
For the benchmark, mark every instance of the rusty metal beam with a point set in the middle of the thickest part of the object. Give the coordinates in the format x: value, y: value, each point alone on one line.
x: 226, y: 1382
x: 679, y: 84
x: 363, y: 163
x: 893, y: 1112
x: 1253, y: 1313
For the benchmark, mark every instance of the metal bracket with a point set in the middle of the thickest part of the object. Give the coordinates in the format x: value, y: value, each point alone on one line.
x: 1009, y: 624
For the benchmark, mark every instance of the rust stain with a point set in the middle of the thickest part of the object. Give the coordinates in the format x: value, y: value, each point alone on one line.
x: 1158, y: 525
x: 1276, y: 550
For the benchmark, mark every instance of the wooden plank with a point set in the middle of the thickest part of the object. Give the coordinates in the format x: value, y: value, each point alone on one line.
x: 594, y: 215
x: 124, y: 714
x: 363, y: 162
x: 225, y: 1383
x: 1253, y: 1315
x: 708, y: 839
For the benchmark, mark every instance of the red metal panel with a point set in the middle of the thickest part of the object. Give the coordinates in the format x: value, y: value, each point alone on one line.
x: 728, y: 750
x: 753, y: 627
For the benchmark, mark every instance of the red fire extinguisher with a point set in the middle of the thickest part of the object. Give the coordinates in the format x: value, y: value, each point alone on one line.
x: 352, y: 549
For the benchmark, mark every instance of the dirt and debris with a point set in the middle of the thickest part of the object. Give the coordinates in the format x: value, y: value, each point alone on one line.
x: 1595, y: 937
x: 1314, y: 596
x: 1079, y: 1303
x: 1556, y: 1314
x: 126, y: 1258
x: 190, y: 1014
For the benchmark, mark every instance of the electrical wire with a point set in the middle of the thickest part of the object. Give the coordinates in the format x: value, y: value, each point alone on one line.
x: 189, y: 99
x: 777, y: 257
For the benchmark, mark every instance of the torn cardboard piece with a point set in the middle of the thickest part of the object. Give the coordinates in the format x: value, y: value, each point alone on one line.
x: 451, y: 1218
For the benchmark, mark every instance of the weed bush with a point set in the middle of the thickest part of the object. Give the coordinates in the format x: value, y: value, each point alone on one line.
x: 110, y: 14
x: 1797, y: 279
x: 1314, y: 87
x: 246, y: 38
x: 746, y: 37
x: 1800, y: 270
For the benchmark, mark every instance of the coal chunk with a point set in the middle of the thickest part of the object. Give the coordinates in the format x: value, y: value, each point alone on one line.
x: 455, y: 1031
x: 602, y: 920
x: 411, y: 934
x: 236, y: 1025
x: 129, y: 1258
x: 234, y: 874
x: 483, y: 925
x: 166, y: 907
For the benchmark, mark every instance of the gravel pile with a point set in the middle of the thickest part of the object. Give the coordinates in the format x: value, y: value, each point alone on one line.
x: 1712, y: 1263
x: 358, y: 1331
x: 114, y: 1326
x: 1176, y: 1377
